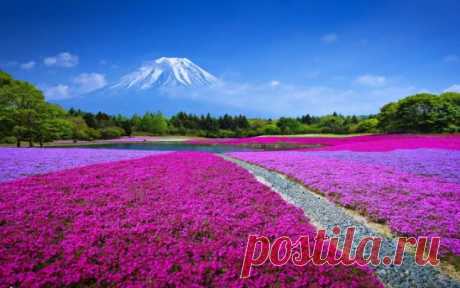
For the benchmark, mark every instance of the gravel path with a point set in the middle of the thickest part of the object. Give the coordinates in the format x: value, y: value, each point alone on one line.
x: 326, y: 215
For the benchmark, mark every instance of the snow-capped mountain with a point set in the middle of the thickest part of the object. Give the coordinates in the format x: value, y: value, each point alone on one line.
x: 167, y: 72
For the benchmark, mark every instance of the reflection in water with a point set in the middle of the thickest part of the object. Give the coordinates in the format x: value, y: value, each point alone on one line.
x: 169, y: 146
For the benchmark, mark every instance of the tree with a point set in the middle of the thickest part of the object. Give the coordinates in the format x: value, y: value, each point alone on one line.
x: 422, y: 113
x: 5, y: 78
x: 112, y: 132
x: 288, y: 125
x: 242, y: 122
x: 386, y: 117
x: 90, y: 120
x: 209, y: 123
x: 52, y: 125
x: 79, y: 129
x: 333, y: 124
x: 306, y: 119
x: 366, y: 126
x: 22, y: 106
x: 154, y: 123
x: 136, y: 122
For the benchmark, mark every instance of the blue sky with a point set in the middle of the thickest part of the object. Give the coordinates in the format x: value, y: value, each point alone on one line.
x: 278, y: 57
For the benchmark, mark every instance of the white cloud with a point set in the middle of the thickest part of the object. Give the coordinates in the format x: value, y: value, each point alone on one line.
x: 275, y: 83
x: 453, y: 88
x: 28, y: 65
x: 57, y: 92
x: 82, y: 84
x: 89, y: 82
x: 370, y: 80
x: 293, y: 100
x: 64, y: 59
x: 329, y: 38
x: 451, y: 58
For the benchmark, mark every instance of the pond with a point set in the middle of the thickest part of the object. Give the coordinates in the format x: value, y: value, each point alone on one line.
x: 168, y: 146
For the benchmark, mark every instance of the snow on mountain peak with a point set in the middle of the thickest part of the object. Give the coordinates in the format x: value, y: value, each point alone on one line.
x: 167, y: 72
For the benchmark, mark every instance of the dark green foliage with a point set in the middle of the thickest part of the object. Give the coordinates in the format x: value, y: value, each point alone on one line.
x: 422, y: 113
x: 26, y: 116
x: 24, y: 113
x: 111, y: 132
x: 366, y: 126
x: 208, y: 126
x: 289, y: 125
x: 154, y: 123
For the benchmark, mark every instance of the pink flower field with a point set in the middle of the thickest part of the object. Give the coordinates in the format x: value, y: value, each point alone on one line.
x: 17, y: 163
x: 172, y: 220
x: 353, y: 143
x: 107, y: 217
x: 415, y: 192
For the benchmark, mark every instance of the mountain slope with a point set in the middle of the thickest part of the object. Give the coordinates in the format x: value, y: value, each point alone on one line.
x: 167, y: 72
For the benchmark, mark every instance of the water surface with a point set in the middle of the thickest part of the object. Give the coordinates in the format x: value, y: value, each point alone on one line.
x: 169, y: 146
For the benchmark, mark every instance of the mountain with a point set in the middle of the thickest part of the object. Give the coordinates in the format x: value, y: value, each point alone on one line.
x: 167, y: 72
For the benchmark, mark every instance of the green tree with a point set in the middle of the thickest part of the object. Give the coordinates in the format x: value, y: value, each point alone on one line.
x: 421, y: 113
x: 333, y: 124
x: 386, y: 117
x: 154, y: 123
x: 52, y: 125
x: 112, y: 132
x: 22, y: 106
x: 288, y: 125
x: 79, y: 129
x: 366, y: 126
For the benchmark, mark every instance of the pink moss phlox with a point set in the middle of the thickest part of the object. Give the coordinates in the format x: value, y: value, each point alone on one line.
x: 354, y: 143
x: 22, y: 162
x: 411, y: 204
x: 173, y: 220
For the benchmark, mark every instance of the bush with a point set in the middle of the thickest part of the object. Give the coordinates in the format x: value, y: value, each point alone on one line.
x: 311, y: 129
x: 93, y: 133
x: 422, y: 113
x: 226, y: 133
x: 289, y: 125
x: 8, y: 140
x: 366, y: 126
x: 111, y: 132
x: 271, y: 129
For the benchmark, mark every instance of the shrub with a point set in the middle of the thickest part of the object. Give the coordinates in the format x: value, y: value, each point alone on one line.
x: 421, y: 113
x: 8, y: 140
x: 271, y: 129
x: 366, y: 126
x: 112, y: 132
x: 93, y: 134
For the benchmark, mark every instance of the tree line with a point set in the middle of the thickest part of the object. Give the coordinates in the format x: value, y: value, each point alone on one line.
x: 26, y: 116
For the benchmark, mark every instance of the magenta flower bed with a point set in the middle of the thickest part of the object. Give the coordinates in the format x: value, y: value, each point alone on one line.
x: 355, y: 143
x: 436, y: 163
x: 174, y: 220
x: 410, y: 204
x: 21, y: 162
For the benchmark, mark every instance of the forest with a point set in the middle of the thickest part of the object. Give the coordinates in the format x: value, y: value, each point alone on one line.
x: 25, y: 115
